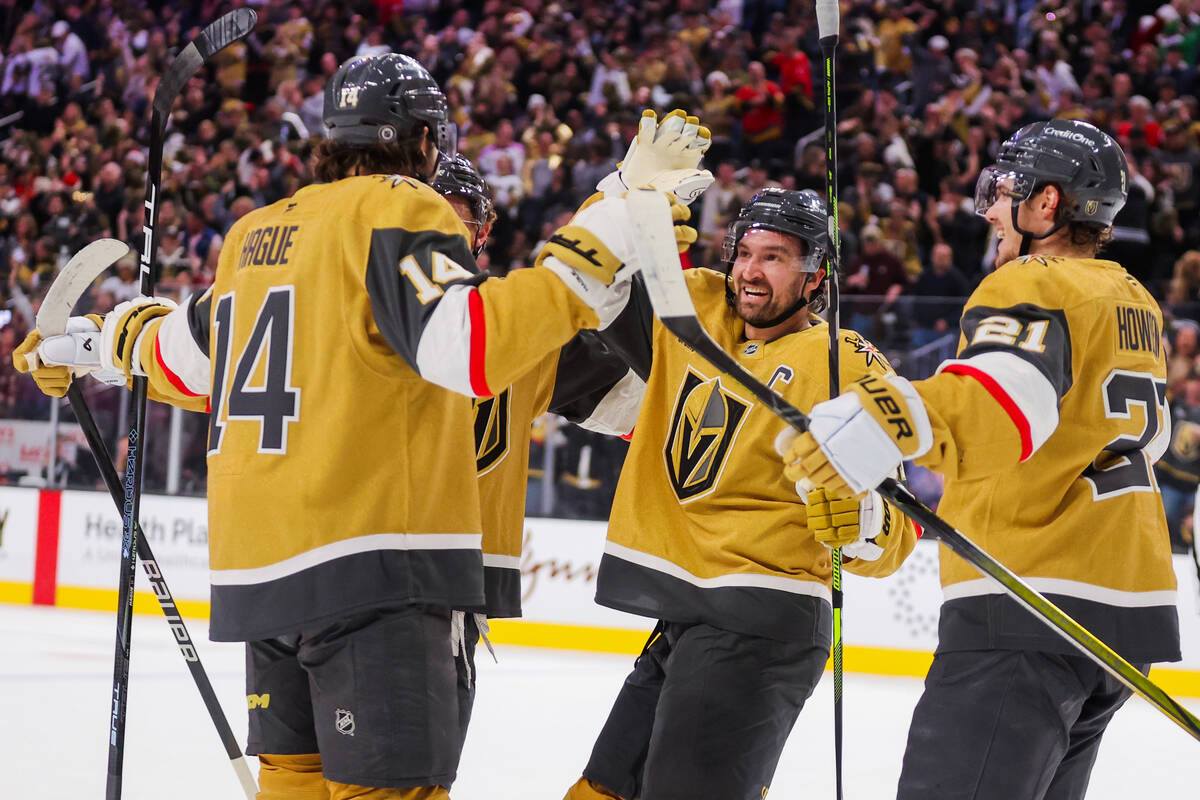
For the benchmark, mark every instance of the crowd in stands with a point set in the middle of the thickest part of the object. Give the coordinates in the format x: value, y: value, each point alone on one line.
x: 546, y: 96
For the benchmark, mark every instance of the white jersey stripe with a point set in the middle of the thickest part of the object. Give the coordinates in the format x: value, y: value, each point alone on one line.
x: 617, y: 412
x: 811, y: 588
x: 444, y: 352
x: 501, y: 562
x: 1025, y: 385
x: 346, y: 547
x: 181, y: 355
x: 1082, y: 591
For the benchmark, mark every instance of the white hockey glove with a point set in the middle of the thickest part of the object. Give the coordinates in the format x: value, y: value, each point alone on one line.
x: 55, y: 360
x: 121, y: 336
x: 595, y: 256
x: 858, y: 438
x: 856, y: 526
x: 665, y: 156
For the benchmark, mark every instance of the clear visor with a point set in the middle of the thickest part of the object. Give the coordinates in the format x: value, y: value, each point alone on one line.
x: 812, y: 260
x: 446, y: 136
x: 996, y: 183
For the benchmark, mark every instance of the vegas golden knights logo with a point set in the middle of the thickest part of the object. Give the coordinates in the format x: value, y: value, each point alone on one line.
x: 491, y: 431
x: 705, y: 421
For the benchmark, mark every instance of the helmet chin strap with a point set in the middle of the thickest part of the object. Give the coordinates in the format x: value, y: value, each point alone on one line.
x: 1026, y: 236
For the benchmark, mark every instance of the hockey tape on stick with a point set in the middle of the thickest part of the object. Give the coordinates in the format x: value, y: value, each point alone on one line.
x: 667, y: 290
x: 74, y: 279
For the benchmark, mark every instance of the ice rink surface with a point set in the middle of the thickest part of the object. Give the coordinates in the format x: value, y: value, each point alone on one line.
x: 536, y: 715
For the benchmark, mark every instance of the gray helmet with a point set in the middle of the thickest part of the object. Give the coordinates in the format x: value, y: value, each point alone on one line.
x: 457, y: 176
x: 787, y: 211
x: 383, y: 98
x: 793, y: 213
x: 1079, y: 157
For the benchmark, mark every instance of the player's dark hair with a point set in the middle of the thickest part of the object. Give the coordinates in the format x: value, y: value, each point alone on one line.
x: 333, y: 160
x: 1090, y: 236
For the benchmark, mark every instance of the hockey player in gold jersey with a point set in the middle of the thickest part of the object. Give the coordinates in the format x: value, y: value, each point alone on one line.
x: 340, y: 349
x: 1045, y: 427
x: 708, y: 539
x: 584, y: 382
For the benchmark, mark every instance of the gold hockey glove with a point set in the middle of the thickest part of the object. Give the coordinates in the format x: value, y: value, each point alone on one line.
x: 53, y: 378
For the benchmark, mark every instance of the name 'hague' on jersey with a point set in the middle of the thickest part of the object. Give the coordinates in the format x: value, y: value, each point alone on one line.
x: 340, y: 341
x: 1048, y: 449
x: 703, y: 526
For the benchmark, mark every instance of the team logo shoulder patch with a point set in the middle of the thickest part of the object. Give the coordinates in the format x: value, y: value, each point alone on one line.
x: 868, y: 351
x: 491, y: 431
x: 704, y: 424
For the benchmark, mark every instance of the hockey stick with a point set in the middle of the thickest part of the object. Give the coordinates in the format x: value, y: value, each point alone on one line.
x: 83, y: 268
x: 669, y: 296
x: 226, y: 30
x: 828, y: 25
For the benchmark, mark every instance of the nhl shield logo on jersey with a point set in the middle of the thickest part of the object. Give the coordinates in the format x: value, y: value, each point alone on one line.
x: 705, y: 422
x: 491, y: 431
x: 343, y: 722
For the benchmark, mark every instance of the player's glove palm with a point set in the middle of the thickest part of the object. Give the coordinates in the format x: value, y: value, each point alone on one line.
x: 858, y: 438
x: 664, y: 155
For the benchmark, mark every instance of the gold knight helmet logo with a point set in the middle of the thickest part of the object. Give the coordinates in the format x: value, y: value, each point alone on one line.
x: 703, y: 426
x: 491, y: 431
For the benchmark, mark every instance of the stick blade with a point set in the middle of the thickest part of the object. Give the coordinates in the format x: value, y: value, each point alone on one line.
x: 74, y: 279
x: 237, y: 24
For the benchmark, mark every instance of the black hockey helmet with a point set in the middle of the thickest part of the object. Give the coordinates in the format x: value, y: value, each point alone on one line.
x: 1081, y: 159
x: 383, y: 98
x: 787, y: 211
x: 793, y: 213
x: 456, y: 175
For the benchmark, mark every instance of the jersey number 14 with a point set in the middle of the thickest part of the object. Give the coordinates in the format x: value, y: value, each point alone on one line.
x: 275, y: 402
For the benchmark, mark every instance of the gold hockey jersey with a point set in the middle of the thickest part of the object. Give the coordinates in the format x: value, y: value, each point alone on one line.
x: 704, y: 528
x: 341, y: 346
x: 582, y: 382
x: 502, y: 433
x: 1046, y: 426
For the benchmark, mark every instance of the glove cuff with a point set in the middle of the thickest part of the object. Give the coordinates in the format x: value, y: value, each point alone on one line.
x: 896, y: 407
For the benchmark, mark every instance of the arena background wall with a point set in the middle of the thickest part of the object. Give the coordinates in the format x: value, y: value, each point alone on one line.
x: 62, y: 549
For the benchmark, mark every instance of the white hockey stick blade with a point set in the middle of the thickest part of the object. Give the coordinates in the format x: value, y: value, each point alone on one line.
x: 83, y: 268
x: 658, y: 255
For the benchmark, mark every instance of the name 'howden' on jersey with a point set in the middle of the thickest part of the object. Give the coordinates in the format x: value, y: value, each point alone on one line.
x: 267, y: 246
x: 1137, y: 329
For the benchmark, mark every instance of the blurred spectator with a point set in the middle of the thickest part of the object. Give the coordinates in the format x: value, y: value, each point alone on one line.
x: 503, y: 146
x: 1181, y: 362
x: 124, y: 285
x: 72, y: 54
x: 760, y: 107
x: 874, y: 279
x: 934, y: 312
x: 1179, y: 470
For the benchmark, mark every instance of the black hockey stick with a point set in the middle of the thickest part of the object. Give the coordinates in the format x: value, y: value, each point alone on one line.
x: 220, y: 34
x: 669, y: 296
x: 829, y: 17
x: 83, y: 268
